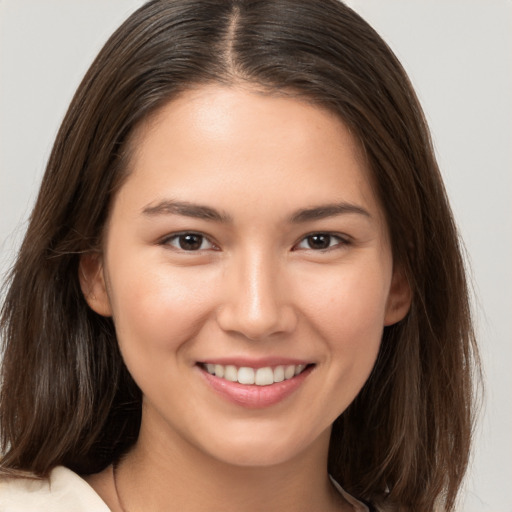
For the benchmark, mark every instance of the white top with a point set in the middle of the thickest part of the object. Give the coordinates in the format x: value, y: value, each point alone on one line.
x: 65, y: 491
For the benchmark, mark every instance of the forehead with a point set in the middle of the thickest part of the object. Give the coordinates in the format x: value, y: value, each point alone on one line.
x: 214, y: 143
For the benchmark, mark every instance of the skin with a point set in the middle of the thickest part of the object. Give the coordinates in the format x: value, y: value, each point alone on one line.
x: 256, y: 288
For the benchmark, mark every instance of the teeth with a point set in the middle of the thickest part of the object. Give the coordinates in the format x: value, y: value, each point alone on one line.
x: 219, y: 370
x: 230, y: 373
x: 279, y: 374
x: 246, y: 375
x: 264, y: 376
x: 289, y: 371
x: 261, y: 376
x: 299, y: 368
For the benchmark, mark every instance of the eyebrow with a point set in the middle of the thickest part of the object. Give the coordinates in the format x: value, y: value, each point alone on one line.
x: 187, y: 209
x: 197, y: 211
x: 328, y: 210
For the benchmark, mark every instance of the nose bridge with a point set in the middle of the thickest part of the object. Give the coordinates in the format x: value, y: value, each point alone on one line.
x: 256, y: 305
x: 259, y: 278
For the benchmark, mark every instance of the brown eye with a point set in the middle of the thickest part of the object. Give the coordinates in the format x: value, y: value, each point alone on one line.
x: 189, y: 242
x: 319, y: 241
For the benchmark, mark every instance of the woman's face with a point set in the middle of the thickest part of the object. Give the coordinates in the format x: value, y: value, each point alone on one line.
x: 246, y: 244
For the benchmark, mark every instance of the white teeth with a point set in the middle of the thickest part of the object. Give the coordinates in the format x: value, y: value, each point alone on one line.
x: 230, y: 373
x: 289, y: 371
x: 279, y: 374
x: 299, y: 368
x: 246, y: 375
x: 264, y: 376
x: 261, y: 376
x: 219, y: 370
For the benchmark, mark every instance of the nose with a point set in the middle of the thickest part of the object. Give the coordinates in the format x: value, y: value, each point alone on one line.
x: 256, y: 302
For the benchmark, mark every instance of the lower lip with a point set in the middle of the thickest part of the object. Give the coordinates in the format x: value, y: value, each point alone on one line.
x: 252, y: 396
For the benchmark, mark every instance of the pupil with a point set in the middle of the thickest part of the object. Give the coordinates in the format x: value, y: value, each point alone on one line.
x: 190, y: 242
x: 319, y: 241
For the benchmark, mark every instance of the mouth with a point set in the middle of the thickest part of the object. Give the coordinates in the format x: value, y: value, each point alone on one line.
x: 263, y: 376
x: 255, y: 387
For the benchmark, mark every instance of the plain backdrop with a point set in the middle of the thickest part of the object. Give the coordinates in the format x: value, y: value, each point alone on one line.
x: 458, y: 54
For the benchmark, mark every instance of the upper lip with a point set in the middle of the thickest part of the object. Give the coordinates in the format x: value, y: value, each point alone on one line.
x: 240, y: 362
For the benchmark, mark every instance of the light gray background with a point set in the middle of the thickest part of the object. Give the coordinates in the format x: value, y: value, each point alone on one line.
x: 458, y: 54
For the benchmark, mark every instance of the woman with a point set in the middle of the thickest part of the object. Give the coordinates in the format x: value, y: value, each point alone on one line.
x: 241, y: 285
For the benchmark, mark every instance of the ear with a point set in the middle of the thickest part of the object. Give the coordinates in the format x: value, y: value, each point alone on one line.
x: 92, y: 282
x: 399, y: 298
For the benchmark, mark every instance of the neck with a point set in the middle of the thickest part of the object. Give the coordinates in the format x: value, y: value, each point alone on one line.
x: 161, y: 471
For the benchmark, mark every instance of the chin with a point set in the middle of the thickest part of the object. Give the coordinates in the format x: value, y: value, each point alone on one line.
x: 249, y: 457
x: 258, y: 451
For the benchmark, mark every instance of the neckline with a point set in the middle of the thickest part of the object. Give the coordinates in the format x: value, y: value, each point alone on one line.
x: 359, y: 506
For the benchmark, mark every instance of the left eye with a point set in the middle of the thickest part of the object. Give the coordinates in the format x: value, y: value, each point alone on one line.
x: 189, y: 242
x: 320, y: 241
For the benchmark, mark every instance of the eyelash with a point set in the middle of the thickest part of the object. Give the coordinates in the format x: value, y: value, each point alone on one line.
x: 179, y: 239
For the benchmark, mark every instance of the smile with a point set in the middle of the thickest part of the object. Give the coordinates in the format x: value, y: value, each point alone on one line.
x: 265, y: 376
x: 255, y: 387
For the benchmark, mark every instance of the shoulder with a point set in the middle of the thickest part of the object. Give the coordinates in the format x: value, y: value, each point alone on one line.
x: 62, y: 491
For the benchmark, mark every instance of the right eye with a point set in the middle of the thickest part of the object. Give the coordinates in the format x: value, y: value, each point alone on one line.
x: 189, y: 242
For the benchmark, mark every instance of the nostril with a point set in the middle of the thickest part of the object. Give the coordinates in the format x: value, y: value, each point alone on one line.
x: 256, y: 324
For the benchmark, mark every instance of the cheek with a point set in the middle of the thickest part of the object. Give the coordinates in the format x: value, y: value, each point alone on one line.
x: 347, y: 310
x: 158, y: 308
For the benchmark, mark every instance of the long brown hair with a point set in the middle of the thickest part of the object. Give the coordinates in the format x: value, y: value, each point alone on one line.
x: 66, y: 395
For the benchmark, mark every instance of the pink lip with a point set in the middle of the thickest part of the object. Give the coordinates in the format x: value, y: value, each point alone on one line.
x: 255, y: 397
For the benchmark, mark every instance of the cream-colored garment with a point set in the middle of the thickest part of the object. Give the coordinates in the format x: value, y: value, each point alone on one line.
x: 65, y: 491
x: 356, y: 504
